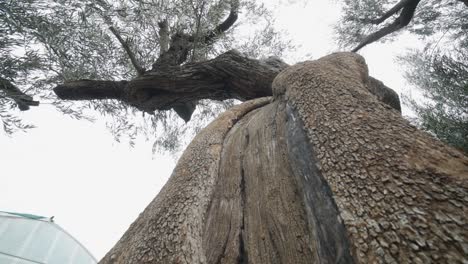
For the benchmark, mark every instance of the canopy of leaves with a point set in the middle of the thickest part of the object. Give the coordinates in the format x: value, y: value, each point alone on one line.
x: 47, y: 42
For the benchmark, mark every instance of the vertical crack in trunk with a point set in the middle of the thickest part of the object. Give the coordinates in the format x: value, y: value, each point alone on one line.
x: 242, y: 258
x: 322, y: 212
x: 257, y: 203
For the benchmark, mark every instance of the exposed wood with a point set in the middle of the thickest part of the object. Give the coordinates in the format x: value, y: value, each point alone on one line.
x: 170, y: 229
x: 265, y: 209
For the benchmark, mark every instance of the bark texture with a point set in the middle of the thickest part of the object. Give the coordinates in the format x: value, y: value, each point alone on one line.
x: 322, y: 172
x: 230, y: 75
x: 401, y: 193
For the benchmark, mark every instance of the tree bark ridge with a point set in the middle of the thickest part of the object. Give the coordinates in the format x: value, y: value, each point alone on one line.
x: 400, y: 192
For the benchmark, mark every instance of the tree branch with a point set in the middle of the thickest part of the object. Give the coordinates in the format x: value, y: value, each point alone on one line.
x: 140, y: 70
x: 402, y: 21
x: 224, y: 26
x: 163, y: 36
x: 91, y: 90
x: 23, y: 100
x: 389, y: 13
x: 230, y: 75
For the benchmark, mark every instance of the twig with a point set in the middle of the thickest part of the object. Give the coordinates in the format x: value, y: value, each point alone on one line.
x: 127, y: 49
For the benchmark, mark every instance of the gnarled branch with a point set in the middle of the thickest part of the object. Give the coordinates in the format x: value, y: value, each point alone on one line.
x: 402, y: 21
x: 230, y: 75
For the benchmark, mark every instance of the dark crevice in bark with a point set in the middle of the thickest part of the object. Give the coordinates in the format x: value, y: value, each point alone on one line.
x: 323, y: 215
x: 242, y: 257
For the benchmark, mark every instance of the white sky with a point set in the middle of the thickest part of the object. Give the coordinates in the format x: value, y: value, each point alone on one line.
x: 94, y: 186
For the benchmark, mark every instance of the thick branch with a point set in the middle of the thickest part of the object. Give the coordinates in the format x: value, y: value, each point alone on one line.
x: 91, y: 90
x: 230, y: 75
x: 403, y: 20
x: 176, y: 54
x: 140, y: 70
x: 23, y: 100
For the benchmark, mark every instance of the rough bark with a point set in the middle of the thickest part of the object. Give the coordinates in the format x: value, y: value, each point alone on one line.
x: 324, y: 173
x: 401, y: 193
x: 230, y: 75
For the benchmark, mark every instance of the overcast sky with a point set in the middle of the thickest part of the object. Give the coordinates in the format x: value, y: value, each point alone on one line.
x: 94, y: 186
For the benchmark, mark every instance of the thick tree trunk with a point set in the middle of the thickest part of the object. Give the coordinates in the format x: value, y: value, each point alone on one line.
x: 322, y: 172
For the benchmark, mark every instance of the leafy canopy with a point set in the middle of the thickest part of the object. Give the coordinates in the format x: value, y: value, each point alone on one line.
x: 47, y: 42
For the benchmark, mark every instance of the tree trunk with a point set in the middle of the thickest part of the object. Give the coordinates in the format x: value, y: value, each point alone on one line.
x: 322, y: 172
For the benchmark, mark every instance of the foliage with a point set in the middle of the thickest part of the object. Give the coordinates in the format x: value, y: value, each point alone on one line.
x: 72, y: 40
x: 432, y: 17
x: 439, y: 70
x: 443, y: 79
